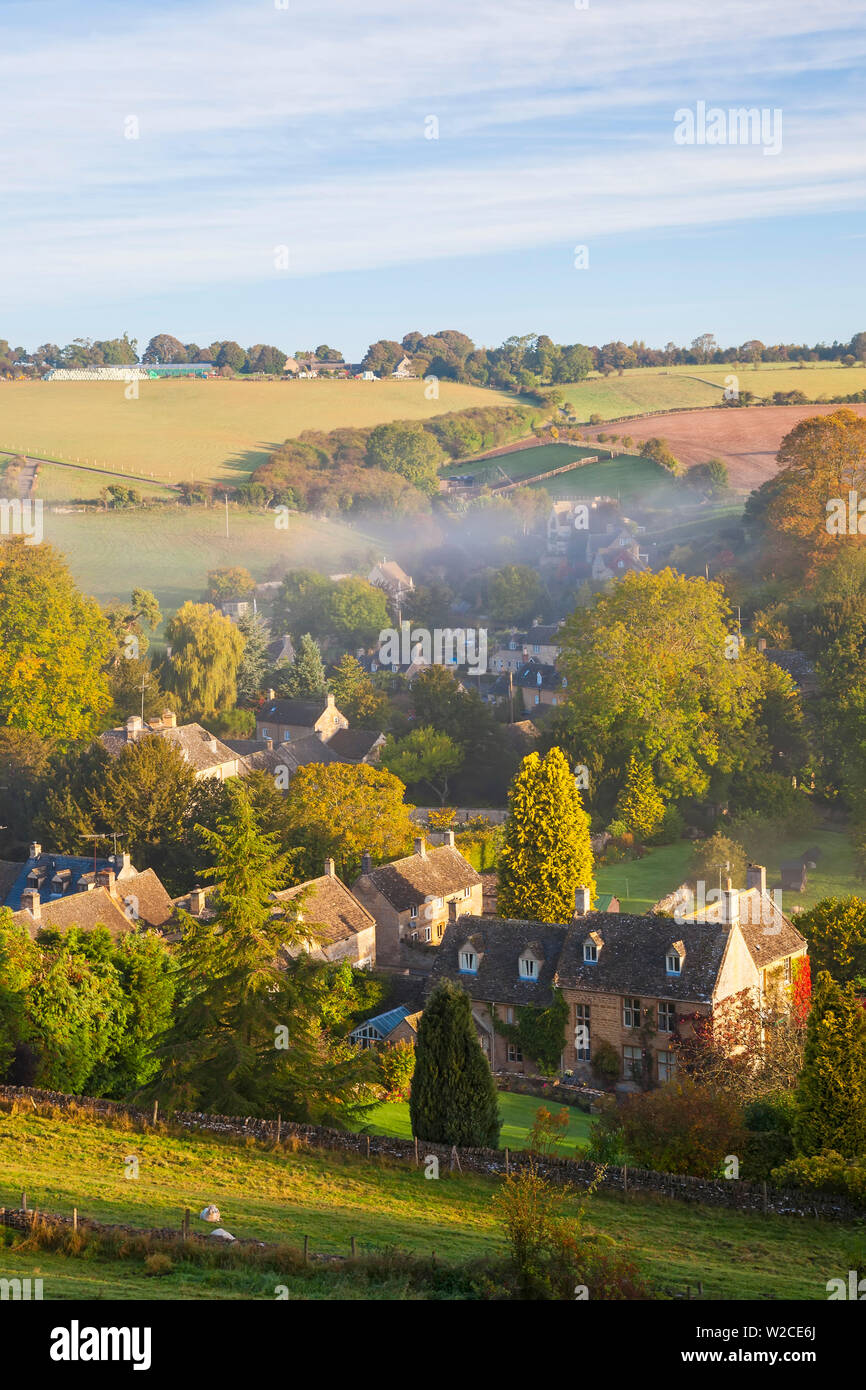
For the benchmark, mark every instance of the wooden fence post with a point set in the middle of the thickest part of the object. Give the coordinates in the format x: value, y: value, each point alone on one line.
x: 416, y: 1150
x: 155, y: 1111
x: 279, y: 1126
x: 764, y: 1186
x: 507, y: 1165
x: 625, y: 1178
x: 353, y: 1247
x: 368, y: 1146
x: 306, y: 1247
x: 23, y: 1200
x: 186, y: 1223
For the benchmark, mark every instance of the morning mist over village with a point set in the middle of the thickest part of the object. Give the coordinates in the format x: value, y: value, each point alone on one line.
x: 432, y: 673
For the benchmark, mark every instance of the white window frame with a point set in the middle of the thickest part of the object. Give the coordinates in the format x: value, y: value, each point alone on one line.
x: 632, y: 1065
x: 590, y: 952
x: 468, y: 963
x: 528, y: 968
x: 667, y: 1065
x: 629, y: 1012
x: 669, y: 1014
x: 677, y: 968
x: 514, y: 1052
x: 582, y: 1019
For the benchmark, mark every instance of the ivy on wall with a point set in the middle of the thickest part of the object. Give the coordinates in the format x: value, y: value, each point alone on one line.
x: 539, y: 1033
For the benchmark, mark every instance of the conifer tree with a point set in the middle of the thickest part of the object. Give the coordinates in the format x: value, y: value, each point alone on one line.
x: 546, y: 854
x: 831, y: 1092
x: 305, y: 678
x: 454, y: 1098
x: 248, y: 1035
x: 640, y: 806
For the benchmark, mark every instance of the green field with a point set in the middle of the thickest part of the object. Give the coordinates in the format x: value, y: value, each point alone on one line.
x: 675, y: 388
x: 170, y: 552
x: 65, y: 1161
x: 215, y: 431
x: 517, y: 1114
x: 627, y: 476
x: 638, y: 883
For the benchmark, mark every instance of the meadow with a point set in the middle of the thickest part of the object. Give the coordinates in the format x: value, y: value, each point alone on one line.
x: 171, y: 550
x: 65, y: 1160
x: 638, y: 883
x: 206, y: 431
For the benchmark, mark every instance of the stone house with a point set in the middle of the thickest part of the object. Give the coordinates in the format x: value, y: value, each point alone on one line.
x: 396, y: 1025
x: 62, y: 890
x: 411, y: 898
x: 341, y: 928
x: 391, y: 577
x: 285, y: 721
x: 207, y: 755
x: 634, y: 982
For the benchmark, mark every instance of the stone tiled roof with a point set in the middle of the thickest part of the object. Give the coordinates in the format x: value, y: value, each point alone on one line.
x: 631, y: 959
x: 436, y: 874
x: 199, y: 748
x: 154, y: 905
x: 330, y: 909
x: 85, y: 910
x: 353, y: 745
x: 767, y: 932
x: 499, y: 943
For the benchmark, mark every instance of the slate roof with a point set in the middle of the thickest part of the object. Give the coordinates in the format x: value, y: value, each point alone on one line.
x: 281, y: 651
x: 330, y: 907
x: 632, y: 957
x: 500, y: 942
x: 77, y: 870
x: 353, y: 745
x: 405, y: 882
x: 9, y: 872
x: 154, y: 905
x: 300, y: 713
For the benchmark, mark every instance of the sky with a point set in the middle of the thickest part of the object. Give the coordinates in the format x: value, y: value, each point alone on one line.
x: 300, y: 173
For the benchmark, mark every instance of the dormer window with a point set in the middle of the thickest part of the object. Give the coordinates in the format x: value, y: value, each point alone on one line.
x: 468, y: 961
x: 528, y: 966
x: 674, y: 958
x: 590, y: 952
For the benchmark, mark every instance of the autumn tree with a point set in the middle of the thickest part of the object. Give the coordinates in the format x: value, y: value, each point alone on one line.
x: 821, y: 459
x: 54, y: 645
x: 424, y: 755
x: 344, y: 810
x: 227, y: 584
x: 206, y: 651
x: 546, y: 854
x: 654, y: 671
x: 835, y: 929
x: 831, y: 1092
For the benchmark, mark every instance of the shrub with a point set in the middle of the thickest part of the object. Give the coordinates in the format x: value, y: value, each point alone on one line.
x: 671, y: 829
x: 681, y: 1128
x: 718, y: 850
x: 764, y: 1150
x: 773, y: 1112
x: 397, y: 1063
x: 158, y: 1265
x: 826, y: 1171
x: 605, y: 1062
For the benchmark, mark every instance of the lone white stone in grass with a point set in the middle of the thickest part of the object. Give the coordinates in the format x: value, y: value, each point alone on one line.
x: 220, y: 1234
x: 210, y: 1213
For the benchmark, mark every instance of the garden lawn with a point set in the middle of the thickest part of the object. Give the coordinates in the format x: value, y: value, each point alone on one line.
x: 516, y: 1112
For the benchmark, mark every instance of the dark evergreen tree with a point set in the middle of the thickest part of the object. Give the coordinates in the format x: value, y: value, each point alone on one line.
x: 454, y: 1098
x: 831, y: 1092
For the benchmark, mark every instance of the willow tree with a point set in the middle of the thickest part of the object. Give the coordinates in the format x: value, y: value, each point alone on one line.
x: 206, y: 651
x: 547, y: 853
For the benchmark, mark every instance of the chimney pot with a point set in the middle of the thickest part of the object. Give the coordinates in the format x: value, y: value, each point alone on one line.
x: 448, y: 838
x: 269, y: 744
x: 581, y: 901
x: 169, y: 719
x: 270, y: 694
x: 730, y: 905
x: 329, y: 868
x: 133, y: 727
x: 196, y: 901
x: 420, y: 847
x: 756, y: 877
x: 31, y: 901
x: 105, y: 879
x: 35, y: 849
x: 366, y: 863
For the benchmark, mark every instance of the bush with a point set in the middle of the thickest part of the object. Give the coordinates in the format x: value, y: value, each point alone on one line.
x: 763, y: 1151
x: 605, y: 1062
x: 774, y: 1112
x: 671, y: 829
x: 397, y: 1064
x: 158, y: 1265
x: 711, y: 853
x: 826, y: 1171
x: 680, y: 1128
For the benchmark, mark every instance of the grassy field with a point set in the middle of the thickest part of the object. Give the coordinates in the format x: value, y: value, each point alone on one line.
x: 676, y: 388
x: 171, y: 551
x: 639, y: 883
x: 66, y: 1160
x: 216, y: 431
x: 517, y: 1114
x: 627, y: 476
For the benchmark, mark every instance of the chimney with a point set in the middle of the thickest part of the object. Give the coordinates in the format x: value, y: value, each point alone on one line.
x: 196, y: 901
x: 730, y: 904
x: 169, y: 719
x: 762, y: 644
x: 581, y: 902
x: 133, y: 727
x: 30, y: 900
x: 35, y: 849
x: 329, y: 701
x: 270, y: 693
x: 448, y: 838
x: 269, y: 744
x: 105, y: 879
x: 420, y: 847
x: 756, y: 877
x: 122, y: 865
x: 329, y: 868
x: 452, y: 909
x: 366, y: 863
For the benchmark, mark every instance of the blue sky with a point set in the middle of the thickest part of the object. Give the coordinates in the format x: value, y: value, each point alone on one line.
x: 260, y: 127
